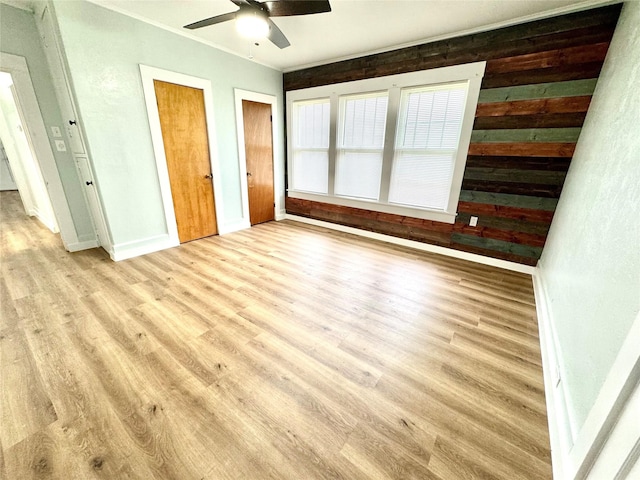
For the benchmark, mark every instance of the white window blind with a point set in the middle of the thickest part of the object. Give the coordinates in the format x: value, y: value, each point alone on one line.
x: 427, y: 137
x: 362, y: 125
x: 311, y: 146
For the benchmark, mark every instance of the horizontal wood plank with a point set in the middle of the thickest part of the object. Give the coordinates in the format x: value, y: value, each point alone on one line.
x: 549, y: 58
x: 556, y: 149
x: 542, y: 120
x: 498, y: 245
x: 514, y: 188
x: 547, y: 177
x: 511, y: 236
x: 534, y: 107
x: 515, y: 135
x: 573, y: 88
x: 543, y: 75
x: 520, y: 163
x: 520, y: 201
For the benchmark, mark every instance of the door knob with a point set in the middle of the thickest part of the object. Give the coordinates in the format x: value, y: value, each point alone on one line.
x: 89, y: 183
x: 209, y: 176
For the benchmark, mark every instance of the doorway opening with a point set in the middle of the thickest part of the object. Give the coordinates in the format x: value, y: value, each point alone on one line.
x: 20, y: 168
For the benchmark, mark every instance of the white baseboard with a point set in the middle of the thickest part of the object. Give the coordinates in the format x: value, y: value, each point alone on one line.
x: 426, y: 247
x: 123, y: 251
x: 83, y: 245
x: 281, y: 215
x: 234, y: 226
x: 607, y: 446
x: 560, y: 433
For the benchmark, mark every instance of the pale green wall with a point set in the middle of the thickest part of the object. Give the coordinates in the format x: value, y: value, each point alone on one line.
x: 19, y: 36
x: 591, y: 261
x: 104, y: 49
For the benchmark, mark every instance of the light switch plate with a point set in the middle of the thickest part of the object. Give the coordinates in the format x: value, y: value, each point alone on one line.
x: 56, y: 132
x: 60, y: 146
x: 473, y: 221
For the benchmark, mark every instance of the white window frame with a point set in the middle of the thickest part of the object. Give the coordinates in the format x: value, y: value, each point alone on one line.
x: 471, y: 73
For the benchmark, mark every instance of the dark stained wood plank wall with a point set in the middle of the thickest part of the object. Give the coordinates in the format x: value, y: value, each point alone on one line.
x: 535, y: 95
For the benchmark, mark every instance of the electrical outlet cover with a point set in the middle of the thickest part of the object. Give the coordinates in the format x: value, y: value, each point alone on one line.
x: 60, y: 146
x: 56, y: 131
x: 473, y: 221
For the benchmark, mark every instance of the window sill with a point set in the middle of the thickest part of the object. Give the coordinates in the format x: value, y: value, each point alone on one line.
x: 433, y: 215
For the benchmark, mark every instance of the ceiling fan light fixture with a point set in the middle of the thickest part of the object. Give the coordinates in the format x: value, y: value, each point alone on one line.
x: 252, y: 25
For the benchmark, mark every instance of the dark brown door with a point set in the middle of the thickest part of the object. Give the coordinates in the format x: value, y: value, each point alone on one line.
x: 186, y: 145
x: 259, y: 154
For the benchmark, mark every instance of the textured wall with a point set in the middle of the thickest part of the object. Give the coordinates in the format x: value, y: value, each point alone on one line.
x: 591, y: 263
x: 535, y: 94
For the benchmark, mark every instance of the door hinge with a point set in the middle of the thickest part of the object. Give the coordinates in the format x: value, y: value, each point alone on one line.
x: 271, y: 118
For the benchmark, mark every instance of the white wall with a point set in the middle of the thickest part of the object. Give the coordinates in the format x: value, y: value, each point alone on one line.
x: 589, y: 273
x: 103, y: 50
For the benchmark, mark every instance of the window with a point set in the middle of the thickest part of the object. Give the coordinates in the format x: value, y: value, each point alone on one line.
x: 360, y: 143
x: 427, y: 137
x: 394, y: 144
x: 311, y: 146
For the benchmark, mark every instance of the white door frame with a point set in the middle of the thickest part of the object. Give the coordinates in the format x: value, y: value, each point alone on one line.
x: 149, y: 74
x: 37, y: 134
x: 278, y: 159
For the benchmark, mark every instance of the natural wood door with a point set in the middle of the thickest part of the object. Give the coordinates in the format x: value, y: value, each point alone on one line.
x: 259, y: 154
x: 186, y: 146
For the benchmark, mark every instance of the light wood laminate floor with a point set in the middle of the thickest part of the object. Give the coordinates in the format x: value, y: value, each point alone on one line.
x: 280, y: 352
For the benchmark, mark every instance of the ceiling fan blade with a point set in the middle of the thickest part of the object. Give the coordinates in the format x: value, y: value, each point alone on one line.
x: 276, y: 36
x: 211, y: 21
x: 249, y: 3
x: 284, y: 8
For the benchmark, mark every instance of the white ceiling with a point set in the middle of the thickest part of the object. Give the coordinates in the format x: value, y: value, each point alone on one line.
x: 352, y: 28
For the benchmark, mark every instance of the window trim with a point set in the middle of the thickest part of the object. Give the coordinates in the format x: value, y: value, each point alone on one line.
x: 471, y: 73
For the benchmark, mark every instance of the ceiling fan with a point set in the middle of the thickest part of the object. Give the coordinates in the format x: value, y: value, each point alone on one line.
x: 257, y: 16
